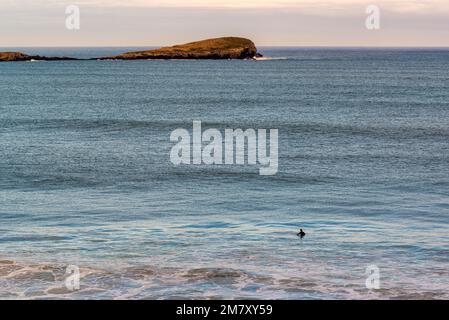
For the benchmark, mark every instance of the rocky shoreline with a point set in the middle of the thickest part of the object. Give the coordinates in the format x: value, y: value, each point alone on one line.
x: 18, y: 56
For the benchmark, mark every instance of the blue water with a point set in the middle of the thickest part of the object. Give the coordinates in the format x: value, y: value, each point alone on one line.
x: 86, y: 177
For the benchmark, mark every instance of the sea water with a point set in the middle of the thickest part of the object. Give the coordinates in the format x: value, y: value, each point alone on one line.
x: 86, y: 178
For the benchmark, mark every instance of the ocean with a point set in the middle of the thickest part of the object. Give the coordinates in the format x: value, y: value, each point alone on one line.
x: 86, y: 178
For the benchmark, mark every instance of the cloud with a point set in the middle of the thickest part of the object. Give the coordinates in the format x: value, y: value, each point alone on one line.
x: 315, y: 6
x: 274, y: 22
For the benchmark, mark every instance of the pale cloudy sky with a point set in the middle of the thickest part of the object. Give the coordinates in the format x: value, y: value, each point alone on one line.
x: 267, y: 22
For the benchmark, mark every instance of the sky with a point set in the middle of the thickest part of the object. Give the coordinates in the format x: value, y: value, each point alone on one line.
x: 409, y: 23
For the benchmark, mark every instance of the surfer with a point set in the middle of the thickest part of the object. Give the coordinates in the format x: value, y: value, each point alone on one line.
x: 301, y: 233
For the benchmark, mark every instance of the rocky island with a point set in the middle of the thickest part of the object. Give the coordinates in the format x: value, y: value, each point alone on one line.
x: 218, y: 48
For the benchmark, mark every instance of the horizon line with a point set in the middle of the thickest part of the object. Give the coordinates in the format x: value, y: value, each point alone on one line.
x: 261, y: 46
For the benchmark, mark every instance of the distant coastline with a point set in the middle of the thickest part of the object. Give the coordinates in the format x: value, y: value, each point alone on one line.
x: 214, y: 49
